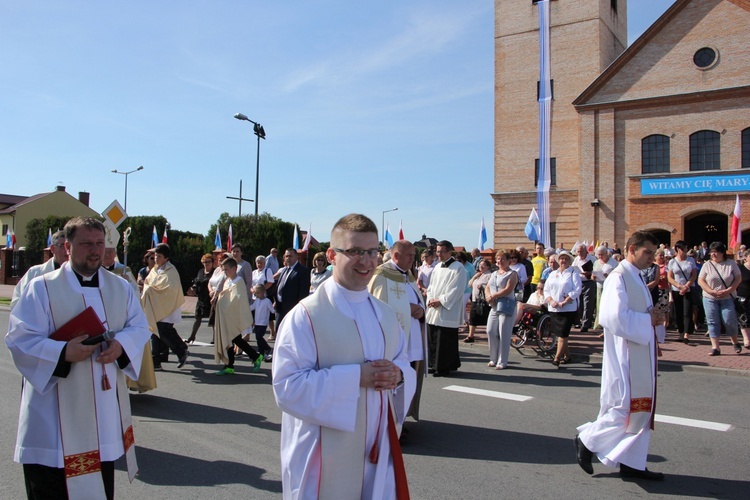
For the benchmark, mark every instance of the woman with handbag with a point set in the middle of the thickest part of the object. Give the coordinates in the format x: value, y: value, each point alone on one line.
x: 719, y: 279
x: 561, y: 292
x: 682, y: 273
x: 500, y: 294
x: 480, y: 309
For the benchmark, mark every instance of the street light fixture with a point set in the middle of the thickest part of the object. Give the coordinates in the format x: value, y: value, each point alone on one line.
x: 261, y: 133
x: 382, y: 222
x: 126, y: 174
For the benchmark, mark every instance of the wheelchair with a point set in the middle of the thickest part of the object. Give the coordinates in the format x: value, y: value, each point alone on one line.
x: 535, y: 326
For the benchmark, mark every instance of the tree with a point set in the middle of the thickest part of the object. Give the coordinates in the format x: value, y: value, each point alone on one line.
x: 257, y: 237
x: 37, y: 231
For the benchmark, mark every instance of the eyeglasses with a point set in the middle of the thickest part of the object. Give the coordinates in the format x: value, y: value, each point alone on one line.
x: 358, y: 252
x: 207, y: 262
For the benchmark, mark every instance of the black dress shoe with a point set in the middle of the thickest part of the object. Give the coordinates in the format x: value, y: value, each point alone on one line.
x: 584, y: 455
x: 629, y: 472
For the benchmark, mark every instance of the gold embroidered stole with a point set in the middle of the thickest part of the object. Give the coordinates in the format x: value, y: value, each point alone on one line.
x: 390, y: 286
x: 162, y: 295
x: 338, y: 342
x: 641, y: 360
x: 76, y: 392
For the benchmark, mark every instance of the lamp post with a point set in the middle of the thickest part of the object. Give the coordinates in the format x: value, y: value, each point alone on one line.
x: 261, y: 133
x: 382, y: 222
x: 126, y: 174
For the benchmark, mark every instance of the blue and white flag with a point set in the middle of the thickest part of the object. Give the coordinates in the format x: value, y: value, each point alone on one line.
x: 49, y: 237
x: 308, y: 238
x: 482, y: 235
x: 8, y: 240
x: 533, y: 230
x: 388, y: 237
x: 295, y: 239
x: 217, y: 238
x: 154, y: 238
x: 545, y: 124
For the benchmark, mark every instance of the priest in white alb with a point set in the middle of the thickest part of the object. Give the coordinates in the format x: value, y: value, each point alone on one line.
x: 394, y: 284
x: 59, y: 256
x: 75, y: 417
x: 340, y: 370
x: 620, y: 435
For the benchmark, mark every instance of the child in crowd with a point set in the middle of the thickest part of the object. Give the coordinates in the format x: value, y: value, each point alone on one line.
x: 263, y: 309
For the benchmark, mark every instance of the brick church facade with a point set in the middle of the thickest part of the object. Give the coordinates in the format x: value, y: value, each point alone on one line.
x: 655, y: 136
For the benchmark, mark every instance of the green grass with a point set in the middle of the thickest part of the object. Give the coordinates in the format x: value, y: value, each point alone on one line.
x: 4, y: 301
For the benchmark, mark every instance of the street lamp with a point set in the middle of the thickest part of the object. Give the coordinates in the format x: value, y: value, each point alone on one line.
x: 261, y: 133
x: 382, y: 222
x: 126, y: 174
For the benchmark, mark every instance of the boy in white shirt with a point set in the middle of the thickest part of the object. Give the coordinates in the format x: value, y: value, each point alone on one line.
x: 263, y: 309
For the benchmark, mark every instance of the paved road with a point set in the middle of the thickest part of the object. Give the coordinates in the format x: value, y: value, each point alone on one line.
x: 202, y: 436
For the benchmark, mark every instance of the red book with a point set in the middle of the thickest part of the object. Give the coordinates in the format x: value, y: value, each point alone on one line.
x: 86, y: 323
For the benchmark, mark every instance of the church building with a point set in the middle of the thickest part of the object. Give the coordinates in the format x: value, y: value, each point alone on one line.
x: 654, y: 136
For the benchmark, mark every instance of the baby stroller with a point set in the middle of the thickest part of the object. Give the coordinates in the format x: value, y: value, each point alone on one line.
x: 535, y: 326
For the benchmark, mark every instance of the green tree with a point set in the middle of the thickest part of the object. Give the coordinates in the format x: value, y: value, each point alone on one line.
x: 37, y: 231
x: 257, y: 237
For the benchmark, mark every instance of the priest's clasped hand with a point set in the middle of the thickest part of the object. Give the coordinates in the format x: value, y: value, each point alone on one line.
x: 75, y: 351
x: 111, y: 353
x: 416, y: 311
x: 380, y: 375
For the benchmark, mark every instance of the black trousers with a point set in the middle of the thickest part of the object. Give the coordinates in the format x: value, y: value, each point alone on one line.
x: 443, y: 348
x: 48, y: 483
x: 171, y: 338
x: 587, y: 307
x: 683, y: 312
x: 242, y: 344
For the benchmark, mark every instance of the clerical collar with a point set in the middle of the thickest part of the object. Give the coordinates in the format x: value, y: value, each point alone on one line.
x: 57, y: 266
x: 399, y: 269
x: 448, y: 262
x: 110, y: 268
x: 92, y: 281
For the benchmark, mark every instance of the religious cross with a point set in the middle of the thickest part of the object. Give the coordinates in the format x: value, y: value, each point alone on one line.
x: 240, y: 198
x: 397, y: 290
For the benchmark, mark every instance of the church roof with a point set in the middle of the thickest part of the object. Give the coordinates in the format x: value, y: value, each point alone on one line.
x: 659, y: 66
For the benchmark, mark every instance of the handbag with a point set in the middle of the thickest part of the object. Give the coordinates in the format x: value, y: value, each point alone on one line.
x: 481, y: 306
x: 506, y: 305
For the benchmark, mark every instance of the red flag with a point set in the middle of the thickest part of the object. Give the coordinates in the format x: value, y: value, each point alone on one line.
x: 229, y: 239
x: 401, y: 230
x: 735, y: 224
x: 164, y: 238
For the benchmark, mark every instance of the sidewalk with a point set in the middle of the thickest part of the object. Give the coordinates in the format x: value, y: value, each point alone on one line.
x: 588, y: 348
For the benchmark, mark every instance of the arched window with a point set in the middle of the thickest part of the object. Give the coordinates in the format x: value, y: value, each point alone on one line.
x: 746, y: 148
x: 655, y: 154
x: 705, y: 150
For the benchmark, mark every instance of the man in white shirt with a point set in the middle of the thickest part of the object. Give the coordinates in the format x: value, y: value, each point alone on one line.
x: 342, y: 379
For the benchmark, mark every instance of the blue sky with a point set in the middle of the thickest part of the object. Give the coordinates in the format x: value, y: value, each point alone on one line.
x: 366, y: 106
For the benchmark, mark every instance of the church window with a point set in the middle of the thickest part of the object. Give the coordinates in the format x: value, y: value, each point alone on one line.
x: 706, y: 58
x: 655, y: 154
x: 746, y: 148
x: 552, y: 172
x: 705, y: 150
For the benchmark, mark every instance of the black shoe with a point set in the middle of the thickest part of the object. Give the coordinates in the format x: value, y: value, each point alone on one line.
x: 584, y: 455
x: 629, y: 472
x: 584, y: 329
x: 183, y: 359
x: 158, y: 368
x: 441, y: 374
x: 430, y: 370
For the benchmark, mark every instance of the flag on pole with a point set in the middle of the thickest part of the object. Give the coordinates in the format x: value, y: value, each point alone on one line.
x: 217, y: 238
x: 8, y: 242
x: 388, y: 237
x: 164, y: 238
x: 533, y: 230
x: 306, y: 245
x: 736, y: 237
x: 12, y: 239
x: 49, y: 237
x: 545, y: 124
x: 154, y: 238
x: 401, y: 229
x: 295, y: 239
x: 482, y: 235
x: 229, y: 239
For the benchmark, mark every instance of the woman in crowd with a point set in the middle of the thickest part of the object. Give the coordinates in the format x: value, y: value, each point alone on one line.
x: 719, y: 279
x: 262, y: 275
x: 200, y: 289
x: 552, y: 265
x: 743, y: 291
x: 603, y: 265
x: 682, y: 273
x: 148, y: 263
x: 319, y: 272
x: 479, y: 312
x: 463, y: 258
x: 500, y: 294
x: 520, y: 269
x: 561, y: 292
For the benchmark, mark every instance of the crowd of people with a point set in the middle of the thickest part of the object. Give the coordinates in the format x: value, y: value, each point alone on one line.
x: 355, y: 336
